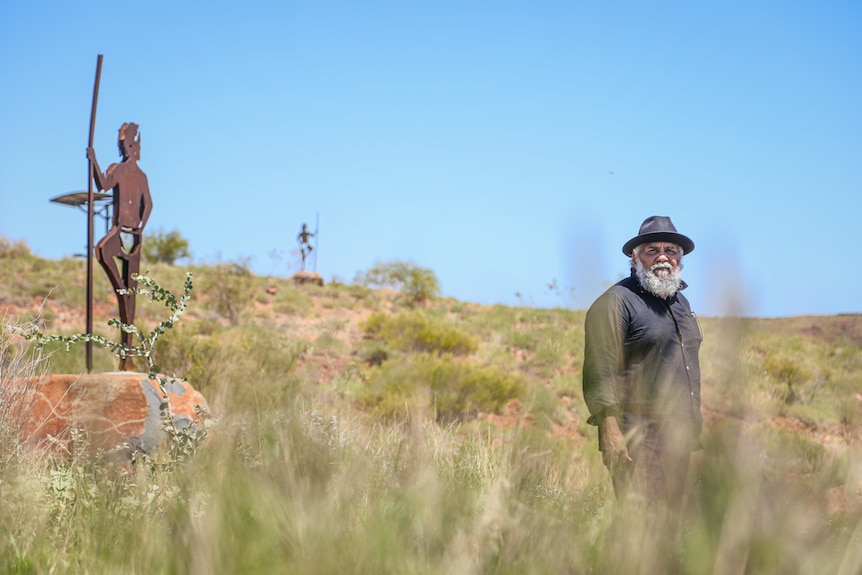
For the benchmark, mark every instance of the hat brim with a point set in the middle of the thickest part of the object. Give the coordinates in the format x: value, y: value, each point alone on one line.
x: 682, y: 241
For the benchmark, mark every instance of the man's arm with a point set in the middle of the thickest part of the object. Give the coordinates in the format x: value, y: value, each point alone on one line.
x: 603, y: 364
x: 603, y: 356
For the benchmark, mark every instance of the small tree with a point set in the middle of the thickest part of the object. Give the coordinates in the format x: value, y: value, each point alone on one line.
x: 165, y: 247
x: 418, y: 284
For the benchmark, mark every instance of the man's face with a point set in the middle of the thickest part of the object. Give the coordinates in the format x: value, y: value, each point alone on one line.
x: 658, y: 266
x: 665, y: 254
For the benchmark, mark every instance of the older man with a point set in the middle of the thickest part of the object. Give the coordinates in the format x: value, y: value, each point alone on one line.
x: 641, y: 376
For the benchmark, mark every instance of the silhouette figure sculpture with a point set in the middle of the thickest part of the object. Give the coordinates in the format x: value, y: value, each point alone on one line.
x: 304, y: 247
x: 119, y: 252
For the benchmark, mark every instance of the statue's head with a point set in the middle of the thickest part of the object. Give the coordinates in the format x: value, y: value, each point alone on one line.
x: 129, y: 141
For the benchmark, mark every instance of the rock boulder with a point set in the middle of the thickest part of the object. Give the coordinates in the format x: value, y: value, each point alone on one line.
x: 111, y: 412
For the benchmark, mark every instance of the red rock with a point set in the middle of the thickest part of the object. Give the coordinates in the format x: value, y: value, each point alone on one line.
x: 306, y: 277
x: 118, y: 411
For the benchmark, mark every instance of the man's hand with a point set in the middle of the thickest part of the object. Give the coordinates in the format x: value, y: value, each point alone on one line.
x: 613, y: 444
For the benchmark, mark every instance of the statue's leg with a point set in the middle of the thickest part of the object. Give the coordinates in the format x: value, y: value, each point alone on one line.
x: 107, y: 249
x: 131, y: 268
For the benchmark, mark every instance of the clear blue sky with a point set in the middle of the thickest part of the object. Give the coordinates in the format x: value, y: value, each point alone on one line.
x: 502, y: 144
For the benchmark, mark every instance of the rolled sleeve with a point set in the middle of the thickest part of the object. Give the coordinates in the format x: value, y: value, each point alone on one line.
x: 603, y: 356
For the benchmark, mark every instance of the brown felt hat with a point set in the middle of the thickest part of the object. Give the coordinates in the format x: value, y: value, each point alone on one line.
x: 658, y: 229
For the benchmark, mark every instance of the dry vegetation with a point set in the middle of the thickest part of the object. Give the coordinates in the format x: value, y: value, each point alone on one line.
x: 362, y: 430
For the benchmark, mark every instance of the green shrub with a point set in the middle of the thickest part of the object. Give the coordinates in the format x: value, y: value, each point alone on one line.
x: 11, y: 249
x: 418, y: 284
x: 230, y: 287
x: 449, y: 388
x: 786, y: 372
x: 372, y: 352
x: 165, y: 247
x: 372, y: 326
x: 415, y: 331
x: 193, y: 350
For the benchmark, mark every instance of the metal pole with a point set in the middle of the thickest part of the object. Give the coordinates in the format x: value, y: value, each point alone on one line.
x: 90, y: 217
x: 316, y: 237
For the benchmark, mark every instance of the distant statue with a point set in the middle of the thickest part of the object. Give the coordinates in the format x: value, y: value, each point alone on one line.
x: 119, y: 252
x: 304, y: 246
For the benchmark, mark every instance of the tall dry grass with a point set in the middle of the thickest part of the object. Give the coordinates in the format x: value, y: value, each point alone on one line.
x: 20, y: 368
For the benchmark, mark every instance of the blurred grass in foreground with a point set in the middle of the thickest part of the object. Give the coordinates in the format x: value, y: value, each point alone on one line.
x: 305, y: 490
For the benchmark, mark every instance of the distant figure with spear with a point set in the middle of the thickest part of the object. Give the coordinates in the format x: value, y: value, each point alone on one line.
x: 132, y: 207
x: 304, y: 245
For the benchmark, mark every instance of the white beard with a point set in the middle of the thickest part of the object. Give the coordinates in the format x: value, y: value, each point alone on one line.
x: 663, y: 286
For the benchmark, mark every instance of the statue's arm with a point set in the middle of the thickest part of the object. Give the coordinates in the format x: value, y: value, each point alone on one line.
x: 103, y: 181
x: 147, y: 202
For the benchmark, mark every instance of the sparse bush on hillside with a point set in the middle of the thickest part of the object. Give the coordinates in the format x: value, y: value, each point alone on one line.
x: 418, y: 284
x: 165, y: 247
x: 415, y: 331
x: 372, y: 352
x: 230, y: 287
x: 193, y: 350
x: 786, y: 452
x: 13, y: 248
x: 784, y: 371
x: 444, y: 387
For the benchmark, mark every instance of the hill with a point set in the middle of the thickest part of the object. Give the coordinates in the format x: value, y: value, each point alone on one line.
x: 501, y: 384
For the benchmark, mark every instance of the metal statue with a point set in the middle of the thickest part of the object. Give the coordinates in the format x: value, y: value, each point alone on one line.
x: 119, y: 252
x: 304, y: 246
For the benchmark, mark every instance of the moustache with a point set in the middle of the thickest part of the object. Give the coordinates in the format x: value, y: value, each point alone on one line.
x: 661, y: 265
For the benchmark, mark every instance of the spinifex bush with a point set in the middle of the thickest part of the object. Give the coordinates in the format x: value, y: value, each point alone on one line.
x: 784, y: 371
x: 415, y: 331
x: 195, y: 350
x: 230, y: 287
x: 445, y: 386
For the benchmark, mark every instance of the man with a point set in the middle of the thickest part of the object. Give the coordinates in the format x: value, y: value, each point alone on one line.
x: 119, y: 252
x: 641, y: 377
